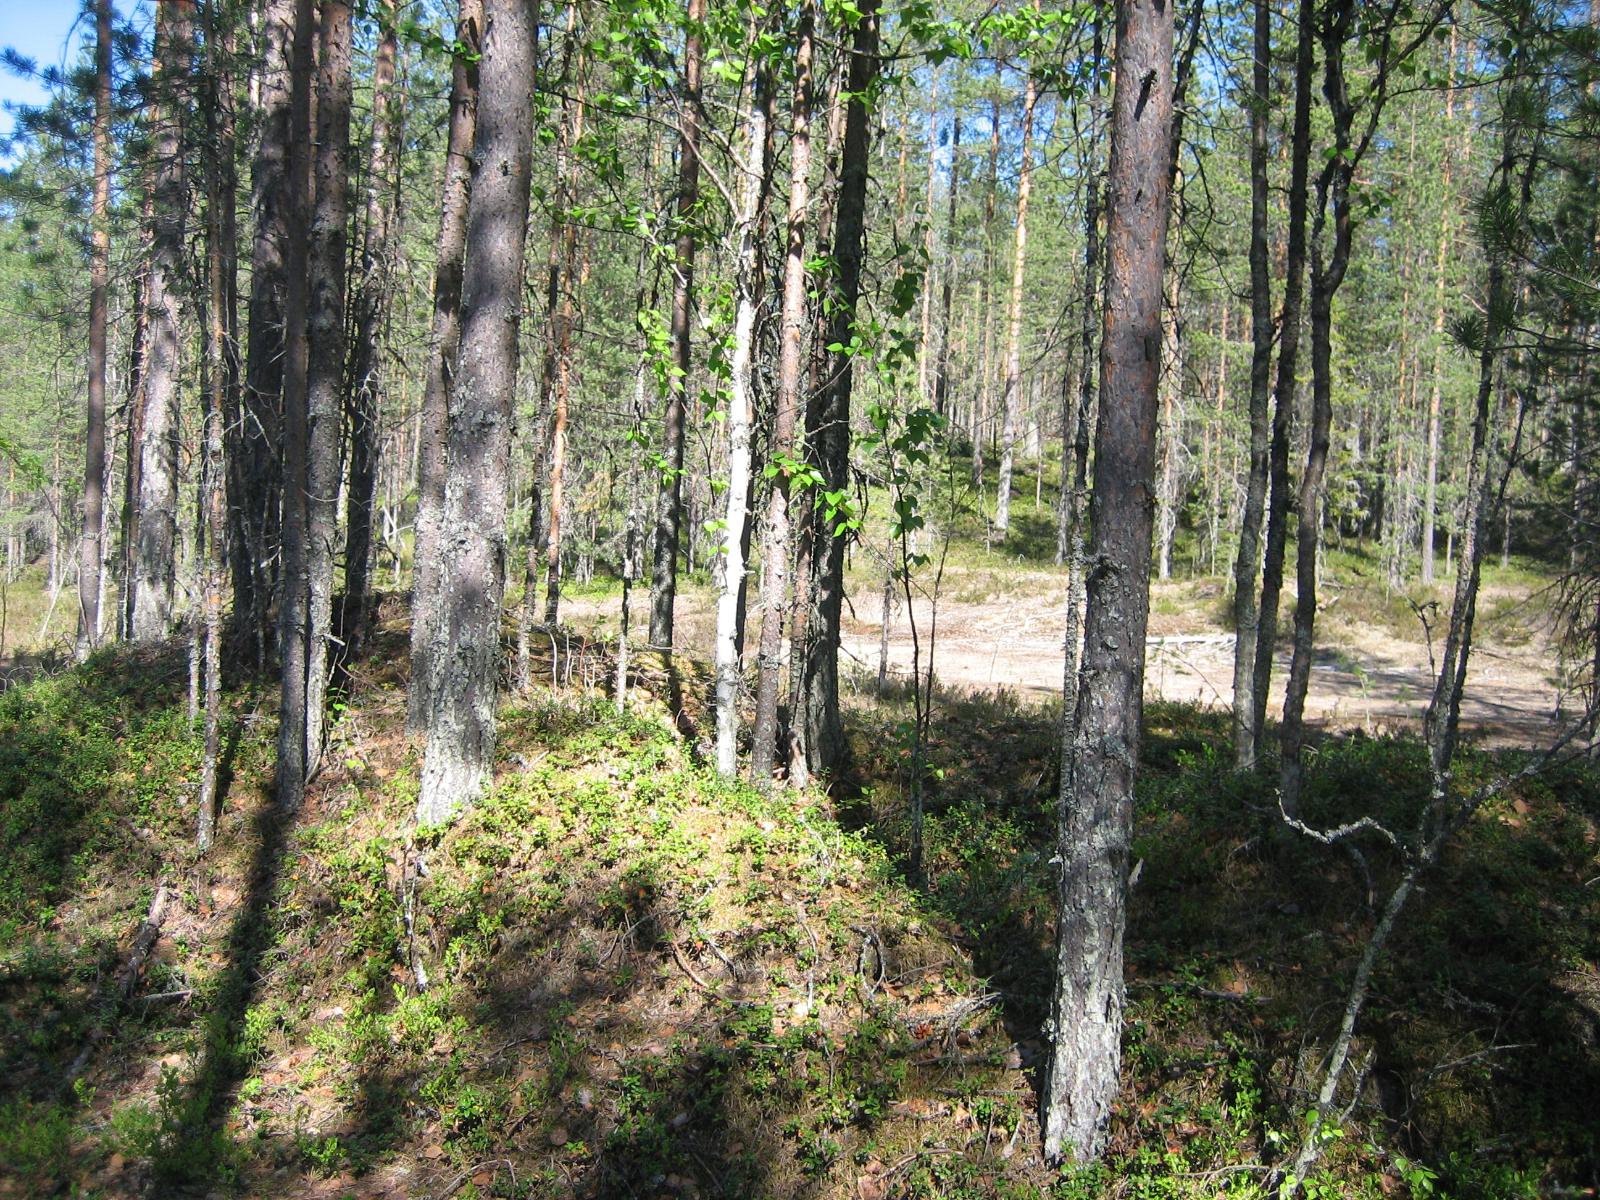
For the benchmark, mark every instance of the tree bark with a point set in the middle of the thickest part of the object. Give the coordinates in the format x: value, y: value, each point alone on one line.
x: 364, y: 394
x: 775, y: 550
x: 1012, y: 396
x: 290, y: 782
x: 941, y: 378
x: 129, y: 552
x: 157, y: 500
x: 1288, y: 363
x: 213, y: 532
x: 1333, y: 190
x: 461, y: 726
x: 557, y: 286
x: 1247, y: 565
x: 980, y: 424
x: 444, y: 339
x: 819, y: 660
x: 729, y: 568
x: 576, y: 276
x: 1096, y: 811
x: 325, y: 370
x: 669, y: 499
x: 263, y: 432
x: 1079, y: 409
x: 94, y: 460
x: 1440, y: 722
x: 1430, y: 497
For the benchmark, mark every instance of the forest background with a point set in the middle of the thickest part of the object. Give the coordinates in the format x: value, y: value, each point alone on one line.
x: 837, y: 342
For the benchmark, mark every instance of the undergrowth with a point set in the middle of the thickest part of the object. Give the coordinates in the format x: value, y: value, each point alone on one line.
x: 621, y: 976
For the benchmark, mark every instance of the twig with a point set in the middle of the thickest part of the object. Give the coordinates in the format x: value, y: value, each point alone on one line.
x: 1329, y: 837
x: 677, y: 954
x: 460, y: 1180
x: 180, y: 994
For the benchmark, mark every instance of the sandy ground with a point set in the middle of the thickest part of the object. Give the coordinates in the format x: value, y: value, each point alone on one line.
x: 1363, y: 677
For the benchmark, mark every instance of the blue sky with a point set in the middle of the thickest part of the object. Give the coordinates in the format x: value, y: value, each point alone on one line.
x: 40, y: 30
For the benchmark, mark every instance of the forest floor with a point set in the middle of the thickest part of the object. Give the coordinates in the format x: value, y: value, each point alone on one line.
x: 620, y: 976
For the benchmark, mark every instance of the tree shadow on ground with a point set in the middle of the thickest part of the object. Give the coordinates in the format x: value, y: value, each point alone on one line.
x: 1484, y: 1021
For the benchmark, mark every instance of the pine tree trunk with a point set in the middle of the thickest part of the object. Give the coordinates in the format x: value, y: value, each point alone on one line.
x: 556, y: 286
x: 443, y: 341
x: 1441, y: 721
x: 1096, y: 811
x: 157, y: 500
x: 1430, y: 493
x: 577, y: 275
x: 980, y: 424
x: 260, y: 470
x: 364, y: 395
x: 325, y: 368
x: 292, y: 607
x: 94, y: 462
x: 775, y: 552
x: 213, y: 533
x: 819, y: 660
x: 1080, y: 405
x: 1012, y: 400
x: 129, y: 564
x: 1169, y: 435
x: 566, y: 280
x: 669, y: 500
x: 461, y: 723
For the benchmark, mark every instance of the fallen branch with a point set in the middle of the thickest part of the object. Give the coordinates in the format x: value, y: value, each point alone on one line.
x: 144, y: 941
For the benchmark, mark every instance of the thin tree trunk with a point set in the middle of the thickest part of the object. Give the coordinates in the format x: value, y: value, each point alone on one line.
x: 1333, y: 189
x: 157, y: 500
x: 325, y: 370
x: 1430, y: 493
x: 557, y: 284
x: 1096, y: 810
x: 260, y: 470
x: 730, y: 564
x: 213, y: 531
x: 792, y: 319
x: 292, y: 608
x: 94, y: 469
x: 924, y: 386
x: 819, y: 660
x: 577, y: 276
x: 135, y: 436
x: 1169, y: 436
x: 1080, y: 407
x: 364, y: 397
x: 568, y: 280
x: 1012, y: 400
x: 669, y: 501
x: 980, y: 425
x: 1441, y: 721
x: 941, y: 383
x: 461, y: 725
x: 445, y: 336
x: 1247, y: 564
x: 1288, y: 364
